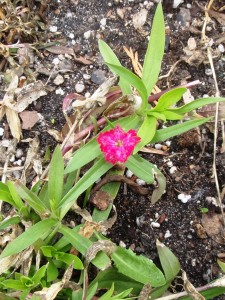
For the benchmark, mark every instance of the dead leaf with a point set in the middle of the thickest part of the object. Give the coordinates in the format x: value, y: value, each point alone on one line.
x: 219, y: 17
x: 190, y: 289
x: 213, y: 226
x: 29, y: 119
x: 210, y: 110
x: 29, y: 94
x: 83, y: 60
x: 56, y: 134
x: 14, y: 123
x: 139, y: 18
x: 60, y: 50
x: 200, y: 231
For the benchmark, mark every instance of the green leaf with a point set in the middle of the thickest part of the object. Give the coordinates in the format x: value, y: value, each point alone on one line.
x: 55, y: 182
x: 208, y: 294
x: 31, y: 198
x: 155, y: 51
x: 14, y: 284
x: 141, y: 168
x: 93, y: 174
x: 123, y: 294
x: 121, y: 282
x: 52, y: 271
x: 156, y: 114
x: 43, y: 195
x: 8, y: 222
x: 29, y: 237
x: 17, y: 200
x: 169, y: 98
x: 132, y: 79
x: 91, y: 150
x: 6, y: 197
x: 108, y: 294
x: 169, y: 262
x: 110, y: 57
x: 136, y: 267
x: 39, y: 275
x: 81, y: 243
x: 161, y: 186
x: 4, y: 187
x: 48, y: 251
x: 221, y: 264
x: 172, y: 116
x: 5, y: 297
x: 69, y: 258
x: 164, y: 134
x: 146, y: 132
x: 196, y: 104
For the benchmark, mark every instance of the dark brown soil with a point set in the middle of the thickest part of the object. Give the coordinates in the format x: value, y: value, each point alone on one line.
x: 194, y: 164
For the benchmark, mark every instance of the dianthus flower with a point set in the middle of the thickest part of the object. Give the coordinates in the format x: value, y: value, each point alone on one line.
x: 117, y: 145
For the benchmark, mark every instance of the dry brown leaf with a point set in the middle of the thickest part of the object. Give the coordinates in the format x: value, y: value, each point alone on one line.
x: 29, y: 94
x: 29, y: 119
x: 210, y: 111
x: 56, y: 134
x: 60, y: 50
x: 213, y: 226
x: 14, y: 123
x: 190, y: 289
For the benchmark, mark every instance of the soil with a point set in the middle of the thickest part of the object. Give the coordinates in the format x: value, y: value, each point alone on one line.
x: 80, y: 23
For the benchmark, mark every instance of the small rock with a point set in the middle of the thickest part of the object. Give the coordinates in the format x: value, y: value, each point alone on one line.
x: 173, y: 170
x: 87, y: 34
x: 56, y: 61
x: 103, y: 21
x: 176, y: 3
x: 71, y: 36
x: 208, y: 72
x: 53, y: 28
x: 170, y: 164
x: 140, y: 181
x: 1, y: 131
x: 5, y: 143
x: 184, y: 16
x: 98, y: 77
x: 59, y: 92
x: 155, y: 224
x: 167, y: 234
x: 184, y: 198
x: 168, y: 143
x: 29, y: 119
x: 12, y: 158
x: 192, y: 43
x: 129, y: 174
x: 79, y: 87
x: 58, y: 80
x: 221, y: 48
x: 19, y: 153
x: 140, y: 18
x: 86, y: 76
x: 158, y: 146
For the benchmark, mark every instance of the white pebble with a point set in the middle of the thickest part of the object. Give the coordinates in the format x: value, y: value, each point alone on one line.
x: 86, y: 76
x: 155, y: 224
x: 208, y: 72
x: 158, y: 146
x: 18, y: 162
x: 59, y: 92
x: 12, y: 158
x: 53, y: 28
x: 140, y: 181
x: 184, y: 198
x: 193, y: 262
x: 170, y: 164
x: 58, y: 80
x: 156, y: 215
x: 129, y: 174
x: 173, y: 170
x: 71, y: 35
x: 176, y: 3
x: 189, y: 5
x: 221, y: 48
x: 5, y: 143
x: 1, y: 131
x: 56, y: 61
x: 168, y: 143
x: 122, y: 244
x: 87, y: 34
x: 19, y: 153
x: 103, y: 22
x: 79, y: 87
x: 167, y: 234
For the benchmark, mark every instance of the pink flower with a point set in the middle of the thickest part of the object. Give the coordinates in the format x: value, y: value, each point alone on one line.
x: 117, y: 145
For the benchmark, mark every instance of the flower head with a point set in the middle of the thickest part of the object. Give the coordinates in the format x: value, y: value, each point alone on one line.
x: 117, y: 145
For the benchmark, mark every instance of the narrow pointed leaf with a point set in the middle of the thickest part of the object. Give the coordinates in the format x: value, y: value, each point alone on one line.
x: 164, y: 134
x: 131, y: 78
x: 31, y: 198
x: 110, y: 57
x: 196, y: 104
x: 169, y: 98
x: 155, y: 51
x: 141, y: 168
x: 146, y: 132
x: 55, y: 182
x: 93, y: 174
x: 16, y: 198
x: 28, y: 237
x: 137, y: 267
x: 169, y: 262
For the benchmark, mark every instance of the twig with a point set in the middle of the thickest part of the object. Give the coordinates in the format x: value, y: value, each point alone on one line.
x: 205, y: 39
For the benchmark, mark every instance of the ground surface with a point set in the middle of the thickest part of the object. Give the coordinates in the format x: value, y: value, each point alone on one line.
x: 80, y: 23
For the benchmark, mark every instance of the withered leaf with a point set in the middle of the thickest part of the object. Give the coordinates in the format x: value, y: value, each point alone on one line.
x: 60, y: 50
x: 213, y: 225
x: 29, y: 119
